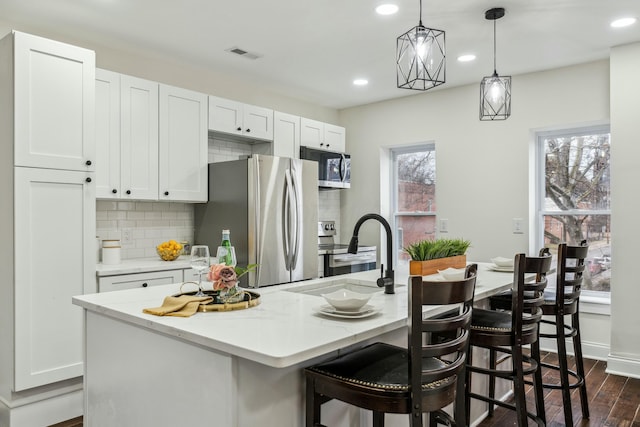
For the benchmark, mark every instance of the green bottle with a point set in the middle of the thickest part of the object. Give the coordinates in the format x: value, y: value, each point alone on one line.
x: 226, y: 244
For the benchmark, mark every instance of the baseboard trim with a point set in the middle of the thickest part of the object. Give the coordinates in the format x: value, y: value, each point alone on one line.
x: 590, y: 350
x: 44, y: 412
x: 623, y: 366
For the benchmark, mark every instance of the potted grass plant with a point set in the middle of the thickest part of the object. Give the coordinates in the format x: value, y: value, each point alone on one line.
x: 429, y: 256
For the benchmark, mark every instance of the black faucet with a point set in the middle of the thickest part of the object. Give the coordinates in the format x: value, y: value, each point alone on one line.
x: 386, y: 278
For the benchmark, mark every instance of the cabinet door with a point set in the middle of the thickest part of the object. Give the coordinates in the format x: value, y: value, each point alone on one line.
x: 257, y: 122
x: 286, y: 135
x: 54, y: 260
x: 225, y: 115
x: 334, y: 138
x: 311, y: 133
x: 183, y: 145
x: 139, y: 280
x: 54, y: 104
x: 139, y: 138
x: 107, y: 134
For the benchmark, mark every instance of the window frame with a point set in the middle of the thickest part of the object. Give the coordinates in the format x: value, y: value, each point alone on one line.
x: 396, y: 151
x: 590, y: 296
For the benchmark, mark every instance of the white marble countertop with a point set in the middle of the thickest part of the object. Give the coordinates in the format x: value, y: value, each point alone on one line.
x: 284, y: 329
x: 141, y: 265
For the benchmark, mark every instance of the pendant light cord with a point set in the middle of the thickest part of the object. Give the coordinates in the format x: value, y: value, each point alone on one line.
x: 420, y: 24
x: 494, y: 47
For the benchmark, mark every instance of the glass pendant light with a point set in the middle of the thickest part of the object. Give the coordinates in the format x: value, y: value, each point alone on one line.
x: 495, y: 90
x: 420, y: 58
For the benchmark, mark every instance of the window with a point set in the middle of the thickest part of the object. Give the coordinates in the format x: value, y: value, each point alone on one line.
x: 574, y: 198
x: 413, y: 196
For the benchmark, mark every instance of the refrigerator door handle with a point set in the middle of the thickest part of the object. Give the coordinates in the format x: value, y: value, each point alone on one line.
x: 297, y: 220
x: 286, y: 220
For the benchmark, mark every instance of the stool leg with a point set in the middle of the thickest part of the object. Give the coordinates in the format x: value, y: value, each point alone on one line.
x: 564, y: 370
x: 312, y: 405
x: 492, y: 379
x: 518, y: 387
x: 577, y: 349
x: 467, y: 398
x: 378, y: 419
x: 537, y: 382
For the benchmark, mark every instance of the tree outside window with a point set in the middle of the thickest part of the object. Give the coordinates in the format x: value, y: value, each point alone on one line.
x: 574, y: 197
x: 414, y: 196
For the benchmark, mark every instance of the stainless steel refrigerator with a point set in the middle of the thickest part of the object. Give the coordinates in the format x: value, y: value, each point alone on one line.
x: 270, y: 205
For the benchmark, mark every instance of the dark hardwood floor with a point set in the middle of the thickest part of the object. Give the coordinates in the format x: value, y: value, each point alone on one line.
x: 614, y: 401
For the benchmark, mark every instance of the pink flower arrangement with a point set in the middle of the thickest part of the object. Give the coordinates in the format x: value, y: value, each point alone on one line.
x: 225, y: 277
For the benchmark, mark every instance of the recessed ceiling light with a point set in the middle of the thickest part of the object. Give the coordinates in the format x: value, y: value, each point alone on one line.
x: 623, y: 22
x: 466, y: 58
x: 361, y: 82
x: 386, y: 9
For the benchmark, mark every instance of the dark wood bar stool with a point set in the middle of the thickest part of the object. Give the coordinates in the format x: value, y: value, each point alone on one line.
x: 506, y: 332
x: 558, y: 304
x: 425, y: 376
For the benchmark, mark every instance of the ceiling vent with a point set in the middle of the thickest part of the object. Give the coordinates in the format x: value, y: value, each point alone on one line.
x: 243, y: 53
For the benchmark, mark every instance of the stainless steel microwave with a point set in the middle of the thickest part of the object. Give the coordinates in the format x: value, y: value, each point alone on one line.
x: 334, y: 169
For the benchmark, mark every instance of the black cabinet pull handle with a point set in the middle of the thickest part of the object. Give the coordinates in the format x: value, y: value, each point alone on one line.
x: 239, y: 129
x: 88, y: 179
x: 144, y: 285
x: 114, y: 191
x: 166, y: 193
x: 128, y: 191
x: 88, y: 162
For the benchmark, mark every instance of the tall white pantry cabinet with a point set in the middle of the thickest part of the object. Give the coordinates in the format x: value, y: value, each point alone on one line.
x: 47, y: 224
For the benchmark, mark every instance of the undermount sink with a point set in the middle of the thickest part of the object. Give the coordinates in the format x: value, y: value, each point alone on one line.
x: 318, y: 289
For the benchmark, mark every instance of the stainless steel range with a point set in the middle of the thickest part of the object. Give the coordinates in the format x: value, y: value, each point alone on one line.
x: 336, y: 260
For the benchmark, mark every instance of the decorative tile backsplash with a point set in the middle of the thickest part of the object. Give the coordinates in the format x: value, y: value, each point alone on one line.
x: 142, y: 225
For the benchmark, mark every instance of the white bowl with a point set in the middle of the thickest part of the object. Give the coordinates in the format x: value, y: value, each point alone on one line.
x: 346, y: 300
x: 452, y: 273
x: 502, y: 262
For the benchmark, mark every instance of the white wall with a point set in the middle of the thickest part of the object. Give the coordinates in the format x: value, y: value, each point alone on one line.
x: 175, y: 72
x: 625, y: 204
x: 483, y: 168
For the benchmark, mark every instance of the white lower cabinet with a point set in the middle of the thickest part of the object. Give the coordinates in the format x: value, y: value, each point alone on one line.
x: 138, y: 280
x: 54, y: 260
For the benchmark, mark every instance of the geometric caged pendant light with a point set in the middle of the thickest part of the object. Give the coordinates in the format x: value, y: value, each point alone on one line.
x: 420, y: 58
x: 495, y: 90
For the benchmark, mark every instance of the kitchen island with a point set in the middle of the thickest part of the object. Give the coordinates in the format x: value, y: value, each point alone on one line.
x: 235, y: 368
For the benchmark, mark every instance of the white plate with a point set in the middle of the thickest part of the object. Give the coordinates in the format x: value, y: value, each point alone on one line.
x: 501, y: 269
x: 366, y: 311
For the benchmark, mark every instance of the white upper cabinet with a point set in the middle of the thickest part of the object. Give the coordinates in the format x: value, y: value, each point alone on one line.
x: 54, y: 104
x: 322, y: 136
x: 139, y: 138
x: 286, y: 135
x: 236, y: 118
x: 183, y: 145
x: 107, y: 134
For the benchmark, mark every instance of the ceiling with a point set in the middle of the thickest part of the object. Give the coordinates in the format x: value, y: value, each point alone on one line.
x: 313, y: 49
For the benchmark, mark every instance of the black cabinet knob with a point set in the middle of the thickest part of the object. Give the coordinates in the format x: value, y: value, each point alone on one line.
x: 239, y: 129
x: 88, y: 162
x: 144, y: 285
x: 248, y: 130
x: 88, y: 179
x: 327, y: 145
x: 128, y: 191
x: 166, y: 193
x: 321, y: 144
x: 114, y: 191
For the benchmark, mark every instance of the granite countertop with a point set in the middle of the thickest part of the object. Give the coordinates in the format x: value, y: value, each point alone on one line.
x: 284, y: 329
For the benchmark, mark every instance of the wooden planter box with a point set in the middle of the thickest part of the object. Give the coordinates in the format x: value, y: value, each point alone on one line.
x: 424, y: 268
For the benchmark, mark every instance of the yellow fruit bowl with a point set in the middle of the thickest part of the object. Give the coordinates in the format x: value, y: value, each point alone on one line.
x: 169, y: 251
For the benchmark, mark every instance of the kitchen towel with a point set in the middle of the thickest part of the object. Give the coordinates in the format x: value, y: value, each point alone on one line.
x: 181, y: 306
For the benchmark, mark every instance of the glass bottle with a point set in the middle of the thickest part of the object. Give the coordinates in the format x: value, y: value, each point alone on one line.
x: 226, y: 244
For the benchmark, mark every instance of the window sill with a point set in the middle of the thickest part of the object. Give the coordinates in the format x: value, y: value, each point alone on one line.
x: 595, y: 304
